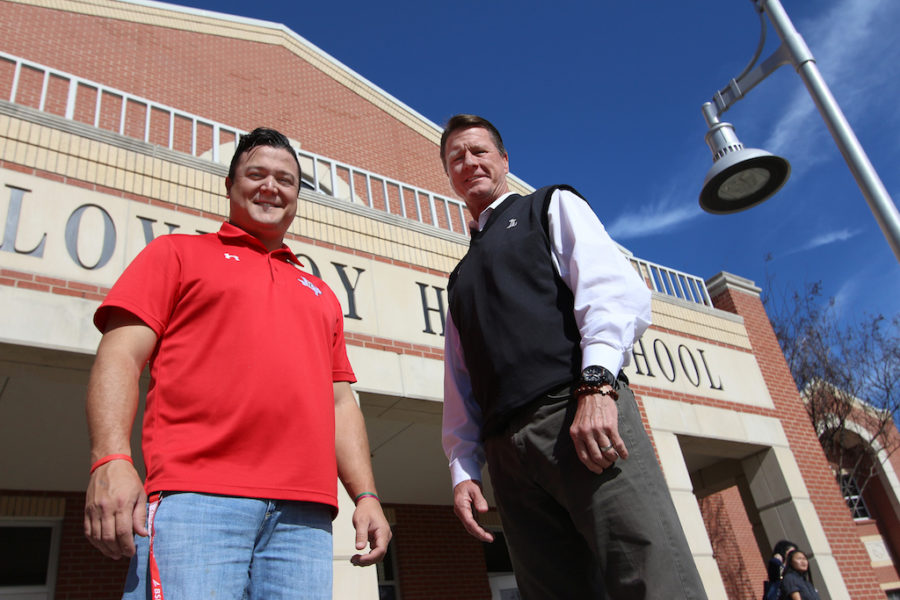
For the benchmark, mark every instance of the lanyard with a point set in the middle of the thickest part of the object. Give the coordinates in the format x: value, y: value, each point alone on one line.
x: 155, y: 583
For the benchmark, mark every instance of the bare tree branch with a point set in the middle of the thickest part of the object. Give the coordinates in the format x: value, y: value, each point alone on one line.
x: 847, y: 372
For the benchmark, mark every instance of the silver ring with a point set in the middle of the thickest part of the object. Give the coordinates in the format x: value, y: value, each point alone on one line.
x: 605, y: 448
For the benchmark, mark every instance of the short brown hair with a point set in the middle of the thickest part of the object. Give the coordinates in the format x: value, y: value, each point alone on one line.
x: 458, y: 122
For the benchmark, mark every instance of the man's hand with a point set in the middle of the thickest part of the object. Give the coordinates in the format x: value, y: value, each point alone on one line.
x: 373, y: 529
x: 595, y: 432
x: 467, y: 500
x: 115, y: 509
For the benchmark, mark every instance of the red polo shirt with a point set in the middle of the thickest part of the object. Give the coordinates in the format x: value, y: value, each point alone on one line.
x: 241, y: 400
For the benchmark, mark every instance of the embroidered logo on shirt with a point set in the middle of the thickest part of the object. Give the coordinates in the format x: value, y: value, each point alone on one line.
x: 234, y: 256
x: 310, y: 285
x: 512, y: 223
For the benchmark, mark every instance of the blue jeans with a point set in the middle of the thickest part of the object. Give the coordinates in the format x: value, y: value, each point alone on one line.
x: 233, y: 548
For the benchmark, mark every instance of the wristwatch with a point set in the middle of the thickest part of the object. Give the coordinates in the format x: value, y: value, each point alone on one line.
x: 597, y: 375
x: 593, y: 379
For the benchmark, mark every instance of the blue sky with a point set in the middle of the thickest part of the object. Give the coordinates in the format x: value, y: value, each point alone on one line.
x: 606, y: 96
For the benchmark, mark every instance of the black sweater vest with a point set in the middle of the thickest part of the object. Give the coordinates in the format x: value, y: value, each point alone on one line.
x: 513, y: 312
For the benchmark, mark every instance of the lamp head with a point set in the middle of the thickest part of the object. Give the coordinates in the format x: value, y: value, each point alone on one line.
x: 740, y: 177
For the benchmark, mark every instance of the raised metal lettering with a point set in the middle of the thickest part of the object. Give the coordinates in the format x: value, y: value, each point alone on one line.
x: 656, y: 343
x: 73, y: 229
x: 695, y: 380
x: 12, y: 226
x: 350, y: 289
x: 708, y: 374
x: 147, y: 225
x: 426, y: 309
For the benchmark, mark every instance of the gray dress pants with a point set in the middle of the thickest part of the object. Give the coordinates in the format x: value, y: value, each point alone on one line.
x: 573, y: 534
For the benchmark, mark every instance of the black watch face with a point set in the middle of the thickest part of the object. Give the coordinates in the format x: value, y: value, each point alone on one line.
x: 591, y: 373
x: 597, y: 375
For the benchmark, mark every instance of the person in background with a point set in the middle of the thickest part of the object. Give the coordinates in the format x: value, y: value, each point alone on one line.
x: 796, y: 584
x: 775, y: 569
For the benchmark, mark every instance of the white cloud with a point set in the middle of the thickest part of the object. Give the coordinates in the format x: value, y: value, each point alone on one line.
x: 846, y: 42
x: 663, y: 217
x: 830, y: 237
x: 823, y: 239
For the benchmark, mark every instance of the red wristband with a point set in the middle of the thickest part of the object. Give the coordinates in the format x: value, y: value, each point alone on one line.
x: 108, y: 458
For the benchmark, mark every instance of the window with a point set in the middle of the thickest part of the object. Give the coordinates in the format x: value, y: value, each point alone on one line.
x: 388, y: 588
x: 28, y: 557
x: 853, y: 498
x: 499, y: 569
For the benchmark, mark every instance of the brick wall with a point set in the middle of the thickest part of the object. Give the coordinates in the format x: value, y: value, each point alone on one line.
x: 851, y: 556
x: 878, y: 499
x: 237, y: 82
x: 885, y: 523
x: 734, y: 545
x: 436, y: 558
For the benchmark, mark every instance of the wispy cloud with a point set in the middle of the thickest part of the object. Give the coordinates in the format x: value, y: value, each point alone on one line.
x: 853, y: 299
x: 844, y: 299
x: 830, y: 238
x: 845, y: 41
x: 662, y: 217
x: 823, y: 239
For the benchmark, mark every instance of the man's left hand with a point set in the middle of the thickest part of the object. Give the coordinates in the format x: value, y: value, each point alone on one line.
x: 595, y: 432
x: 372, y: 528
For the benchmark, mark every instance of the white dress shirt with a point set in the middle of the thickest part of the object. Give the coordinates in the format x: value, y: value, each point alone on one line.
x: 612, y: 310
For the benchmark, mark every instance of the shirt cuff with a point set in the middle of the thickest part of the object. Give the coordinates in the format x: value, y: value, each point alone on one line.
x: 463, y: 470
x: 604, y: 356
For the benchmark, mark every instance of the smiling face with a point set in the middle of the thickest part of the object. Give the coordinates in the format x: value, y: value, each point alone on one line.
x: 476, y: 168
x: 263, y: 193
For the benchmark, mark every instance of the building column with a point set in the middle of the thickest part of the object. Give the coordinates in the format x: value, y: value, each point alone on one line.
x: 682, y: 490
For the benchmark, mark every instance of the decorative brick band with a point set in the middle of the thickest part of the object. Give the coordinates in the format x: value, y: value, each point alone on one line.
x: 63, y: 287
x: 388, y: 345
x: 643, y: 390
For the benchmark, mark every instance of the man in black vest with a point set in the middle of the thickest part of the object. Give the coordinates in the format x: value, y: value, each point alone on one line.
x: 544, y: 309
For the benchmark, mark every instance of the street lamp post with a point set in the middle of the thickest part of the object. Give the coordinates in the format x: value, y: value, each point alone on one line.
x: 746, y: 177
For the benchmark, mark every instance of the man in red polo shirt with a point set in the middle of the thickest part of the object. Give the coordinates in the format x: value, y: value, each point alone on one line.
x: 250, y: 418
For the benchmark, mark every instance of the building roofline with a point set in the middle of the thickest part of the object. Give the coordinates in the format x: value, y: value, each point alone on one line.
x: 153, y: 12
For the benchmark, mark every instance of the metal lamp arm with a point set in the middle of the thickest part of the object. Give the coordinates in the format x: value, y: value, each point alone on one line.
x: 738, y: 88
x: 749, y: 78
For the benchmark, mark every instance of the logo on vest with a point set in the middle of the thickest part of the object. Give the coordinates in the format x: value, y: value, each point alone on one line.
x: 512, y: 223
x: 234, y: 256
x: 310, y: 285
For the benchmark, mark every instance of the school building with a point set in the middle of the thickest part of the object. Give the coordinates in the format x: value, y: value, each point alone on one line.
x: 117, y: 122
